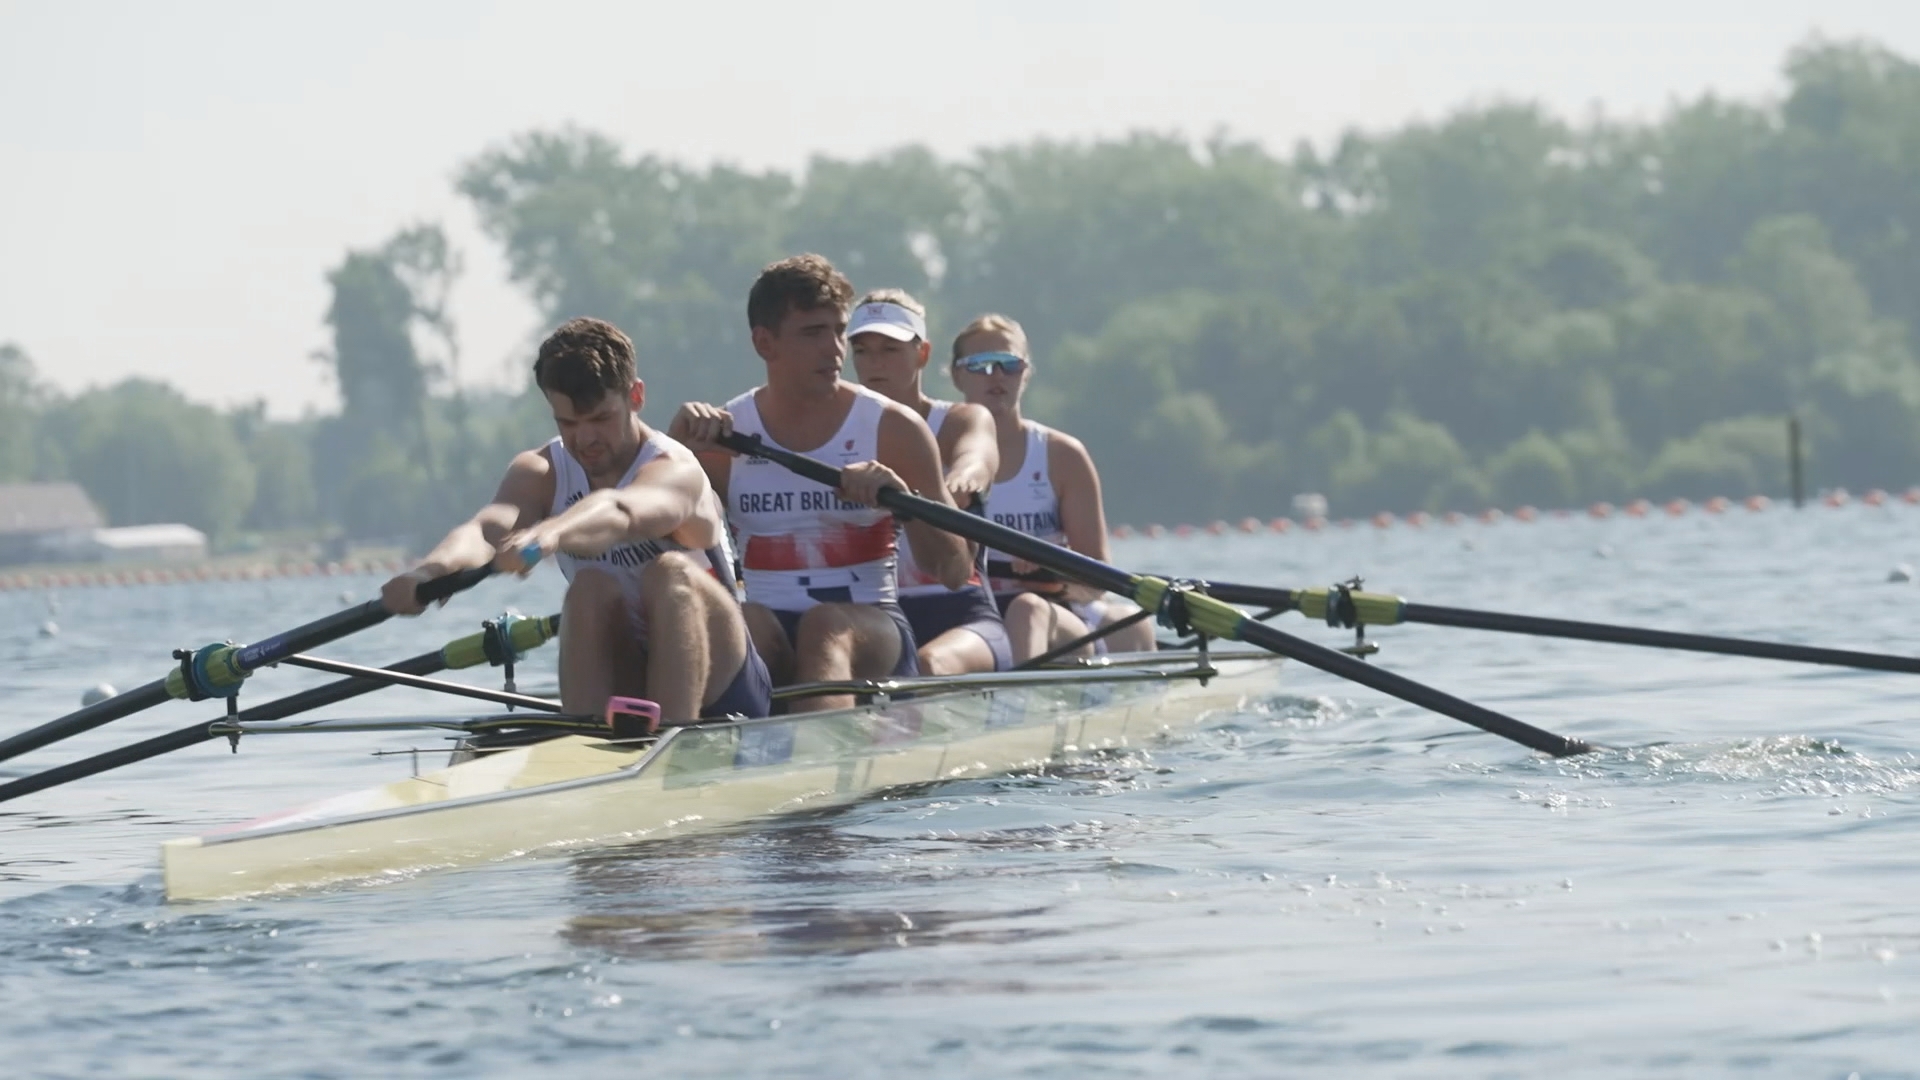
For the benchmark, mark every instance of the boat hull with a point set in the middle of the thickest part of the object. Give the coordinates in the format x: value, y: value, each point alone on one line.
x: 576, y: 793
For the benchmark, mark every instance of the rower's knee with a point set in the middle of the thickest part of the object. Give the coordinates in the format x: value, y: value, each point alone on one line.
x: 824, y: 621
x: 1030, y: 608
x: 672, y: 580
x: 593, y: 596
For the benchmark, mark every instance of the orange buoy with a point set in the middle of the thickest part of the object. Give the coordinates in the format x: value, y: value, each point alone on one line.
x: 1600, y: 510
x: 1876, y: 497
x: 1382, y: 520
x: 1677, y: 507
x: 1525, y: 513
x: 1280, y: 525
x: 1418, y: 519
x: 1716, y: 505
x: 1121, y: 532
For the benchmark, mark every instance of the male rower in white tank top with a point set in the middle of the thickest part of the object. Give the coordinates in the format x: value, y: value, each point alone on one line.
x: 820, y: 565
x: 958, y: 632
x: 1046, y: 487
x: 626, y: 512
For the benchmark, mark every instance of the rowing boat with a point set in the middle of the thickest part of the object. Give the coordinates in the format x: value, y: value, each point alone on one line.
x: 576, y: 792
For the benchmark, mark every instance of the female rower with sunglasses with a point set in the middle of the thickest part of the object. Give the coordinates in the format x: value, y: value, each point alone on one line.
x: 1046, y: 487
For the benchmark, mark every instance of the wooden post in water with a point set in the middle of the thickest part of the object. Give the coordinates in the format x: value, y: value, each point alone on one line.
x: 1795, y: 473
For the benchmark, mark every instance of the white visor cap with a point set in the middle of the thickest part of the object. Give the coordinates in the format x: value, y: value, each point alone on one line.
x: 894, y: 321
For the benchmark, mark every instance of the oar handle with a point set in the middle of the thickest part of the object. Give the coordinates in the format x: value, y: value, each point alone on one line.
x: 440, y: 588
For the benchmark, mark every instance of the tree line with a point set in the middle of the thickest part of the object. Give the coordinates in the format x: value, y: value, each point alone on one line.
x: 1496, y: 308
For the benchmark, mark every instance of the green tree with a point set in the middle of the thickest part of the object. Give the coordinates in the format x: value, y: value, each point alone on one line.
x: 146, y: 454
x: 21, y: 399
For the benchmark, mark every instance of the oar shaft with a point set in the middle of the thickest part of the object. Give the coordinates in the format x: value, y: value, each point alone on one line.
x: 1468, y: 619
x: 233, y: 665
x: 524, y: 634
x: 279, y: 708
x: 1380, y: 609
x: 1334, y: 662
x: 104, y: 712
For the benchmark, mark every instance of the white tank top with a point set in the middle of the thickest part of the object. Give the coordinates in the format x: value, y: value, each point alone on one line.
x: 800, y: 543
x: 913, y: 580
x: 1026, y: 503
x: 625, y: 561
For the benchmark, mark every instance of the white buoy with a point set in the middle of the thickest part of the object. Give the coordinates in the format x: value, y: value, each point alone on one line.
x: 1604, y: 551
x: 347, y: 597
x: 1901, y: 572
x: 49, y: 628
x: 98, y: 693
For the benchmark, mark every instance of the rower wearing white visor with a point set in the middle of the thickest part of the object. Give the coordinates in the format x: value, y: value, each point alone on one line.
x: 958, y: 631
x: 1046, y: 487
x: 820, y: 565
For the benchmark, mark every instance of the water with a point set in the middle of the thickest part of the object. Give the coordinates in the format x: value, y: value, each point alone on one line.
x: 1330, y: 882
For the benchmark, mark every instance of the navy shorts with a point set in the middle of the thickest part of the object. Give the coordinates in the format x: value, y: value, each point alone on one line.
x: 909, y: 664
x: 965, y: 609
x: 750, y: 694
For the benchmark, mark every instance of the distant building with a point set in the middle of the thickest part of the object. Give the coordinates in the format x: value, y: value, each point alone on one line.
x: 149, y: 543
x: 46, y: 523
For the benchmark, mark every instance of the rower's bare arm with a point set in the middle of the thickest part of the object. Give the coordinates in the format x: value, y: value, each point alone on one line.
x: 972, y: 454
x: 524, y: 495
x: 907, y: 447
x: 662, y: 499
x: 1083, y: 515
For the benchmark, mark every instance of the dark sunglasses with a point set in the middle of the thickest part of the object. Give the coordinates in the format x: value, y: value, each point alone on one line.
x: 985, y: 363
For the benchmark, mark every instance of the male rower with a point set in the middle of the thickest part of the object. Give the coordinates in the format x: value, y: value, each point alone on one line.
x: 957, y: 631
x: 651, y: 609
x: 820, y: 565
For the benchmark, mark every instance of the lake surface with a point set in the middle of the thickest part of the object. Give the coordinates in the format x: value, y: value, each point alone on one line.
x: 1328, y: 883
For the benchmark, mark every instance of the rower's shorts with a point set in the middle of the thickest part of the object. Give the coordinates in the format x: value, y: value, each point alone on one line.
x: 909, y: 664
x: 933, y: 614
x: 750, y: 694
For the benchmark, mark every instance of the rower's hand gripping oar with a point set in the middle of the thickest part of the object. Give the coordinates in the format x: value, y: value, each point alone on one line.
x: 1203, y: 613
x: 217, y: 670
x: 1349, y: 607
x: 501, y: 643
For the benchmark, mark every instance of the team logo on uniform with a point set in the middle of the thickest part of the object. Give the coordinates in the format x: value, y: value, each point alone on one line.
x: 849, y: 444
x: 1036, y: 477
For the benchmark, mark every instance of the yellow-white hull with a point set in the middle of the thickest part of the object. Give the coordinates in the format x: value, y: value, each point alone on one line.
x: 576, y: 792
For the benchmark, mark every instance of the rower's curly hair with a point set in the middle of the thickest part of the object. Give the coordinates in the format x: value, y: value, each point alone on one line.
x: 585, y: 359
x: 799, y: 283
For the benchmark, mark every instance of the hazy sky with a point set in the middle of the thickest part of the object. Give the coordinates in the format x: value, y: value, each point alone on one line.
x: 176, y: 178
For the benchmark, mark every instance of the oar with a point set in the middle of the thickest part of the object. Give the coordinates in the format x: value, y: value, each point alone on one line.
x: 218, y: 670
x: 1204, y: 613
x: 1352, y: 607
x: 470, y: 651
